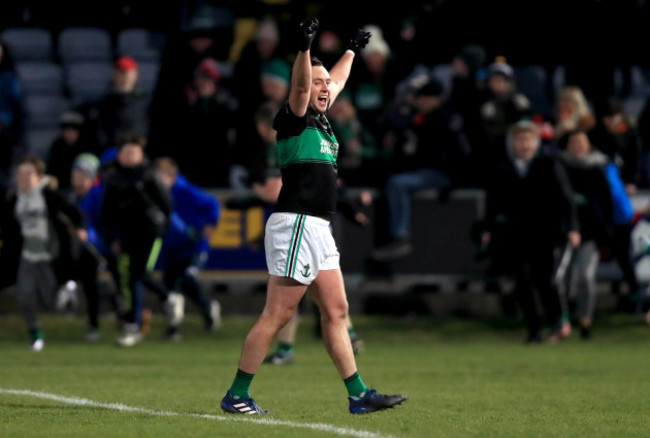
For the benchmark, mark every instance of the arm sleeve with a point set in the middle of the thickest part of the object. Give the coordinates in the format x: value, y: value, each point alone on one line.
x: 567, y: 205
x: 159, y: 194
x: 208, y: 206
x: 71, y: 213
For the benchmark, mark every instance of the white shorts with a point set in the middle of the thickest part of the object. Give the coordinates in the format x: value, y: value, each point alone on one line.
x: 299, y: 246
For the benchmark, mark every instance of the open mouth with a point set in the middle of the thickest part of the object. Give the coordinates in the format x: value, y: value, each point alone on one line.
x: 323, y: 99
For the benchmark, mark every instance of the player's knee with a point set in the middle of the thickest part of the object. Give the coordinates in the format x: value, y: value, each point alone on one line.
x: 279, y: 315
x: 335, y: 312
x: 285, y: 316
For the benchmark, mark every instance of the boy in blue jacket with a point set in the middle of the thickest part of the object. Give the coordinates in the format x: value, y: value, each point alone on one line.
x: 195, y: 215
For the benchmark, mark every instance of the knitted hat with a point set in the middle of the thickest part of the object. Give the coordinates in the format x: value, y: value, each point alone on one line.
x: 276, y: 69
x: 71, y: 119
x: 87, y: 163
x: 126, y: 63
x: 500, y: 67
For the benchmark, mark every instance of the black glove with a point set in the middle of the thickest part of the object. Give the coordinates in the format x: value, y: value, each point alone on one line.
x: 307, y: 33
x: 359, y: 41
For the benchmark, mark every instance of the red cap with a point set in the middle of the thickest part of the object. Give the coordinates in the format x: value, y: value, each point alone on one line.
x: 126, y: 63
x: 209, y: 68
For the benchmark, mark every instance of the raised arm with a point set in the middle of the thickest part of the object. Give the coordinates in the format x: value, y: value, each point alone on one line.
x: 340, y: 73
x: 301, y: 71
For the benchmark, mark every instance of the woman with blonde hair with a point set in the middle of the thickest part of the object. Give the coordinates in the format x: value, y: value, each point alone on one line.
x: 573, y: 113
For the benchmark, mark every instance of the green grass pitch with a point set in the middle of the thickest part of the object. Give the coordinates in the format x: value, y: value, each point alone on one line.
x: 464, y: 378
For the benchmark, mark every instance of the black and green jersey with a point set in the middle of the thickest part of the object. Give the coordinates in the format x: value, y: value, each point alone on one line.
x: 307, y: 151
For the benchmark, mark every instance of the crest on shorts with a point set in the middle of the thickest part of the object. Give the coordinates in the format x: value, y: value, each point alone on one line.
x: 305, y: 272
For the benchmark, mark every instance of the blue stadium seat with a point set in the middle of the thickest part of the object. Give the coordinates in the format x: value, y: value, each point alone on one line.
x: 634, y: 105
x: 445, y: 74
x: 29, y: 43
x: 559, y: 79
x: 39, y: 141
x: 640, y: 81
x: 531, y: 82
x: 141, y: 44
x: 88, y: 80
x: 41, y: 77
x: 83, y: 44
x: 226, y: 69
x: 43, y: 111
x: 148, y: 75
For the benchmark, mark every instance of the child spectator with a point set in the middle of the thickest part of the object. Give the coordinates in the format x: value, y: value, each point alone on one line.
x: 185, y: 246
x: 34, y: 222
x: 593, y: 198
x: 135, y: 209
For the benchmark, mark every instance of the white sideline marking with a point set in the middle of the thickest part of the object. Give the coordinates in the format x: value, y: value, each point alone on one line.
x: 343, y: 431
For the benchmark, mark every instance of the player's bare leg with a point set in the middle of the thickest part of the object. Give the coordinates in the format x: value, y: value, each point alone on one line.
x: 328, y: 292
x: 282, y: 298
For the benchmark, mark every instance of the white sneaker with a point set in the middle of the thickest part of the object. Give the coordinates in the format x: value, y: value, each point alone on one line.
x: 130, y: 336
x: 215, y: 313
x: 175, y: 309
x: 37, y: 345
x: 66, y: 297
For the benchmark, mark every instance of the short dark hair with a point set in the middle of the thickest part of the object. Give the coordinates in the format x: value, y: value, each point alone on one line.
x: 315, y: 62
x: 35, y: 161
x: 132, y: 138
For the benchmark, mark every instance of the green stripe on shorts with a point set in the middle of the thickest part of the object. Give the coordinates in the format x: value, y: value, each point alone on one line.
x: 295, y: 262
x: 294, y: 245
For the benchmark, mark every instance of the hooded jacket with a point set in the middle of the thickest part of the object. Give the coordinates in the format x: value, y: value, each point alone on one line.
x: 591, y: 194
x: 62, y: 216
x: 135, y: 203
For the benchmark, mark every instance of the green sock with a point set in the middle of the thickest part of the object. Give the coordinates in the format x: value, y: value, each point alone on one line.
x: 35, y: 334
x: 352, y: 333
x: 284, y: 348
x: 355, y: 385
x: 241, y: 385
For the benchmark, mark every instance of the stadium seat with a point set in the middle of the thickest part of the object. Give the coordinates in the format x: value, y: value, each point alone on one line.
x: 84, y: 44
x: 39, y: 141
x: 640, y: 81
x: 445, y: 74
x: 88, y: 80
x: 141, y: 44
x: 531, y: 82
x: 148, y: 75
x: 43, y: 111
x: 29, y: 43
x: 41, y: 77
x: 226, y: 69
x: 635, y: 105
x: 559, y: 79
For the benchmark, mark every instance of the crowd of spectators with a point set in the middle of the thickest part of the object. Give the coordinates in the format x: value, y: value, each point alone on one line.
x: 423, y: 109
x: 219, y: 62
